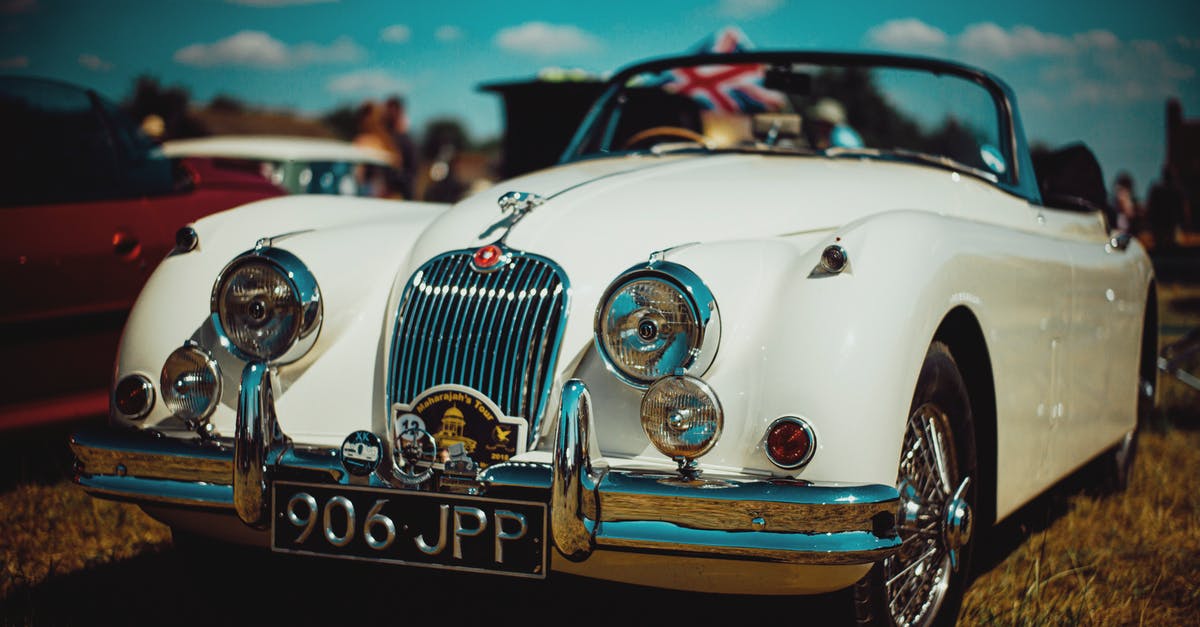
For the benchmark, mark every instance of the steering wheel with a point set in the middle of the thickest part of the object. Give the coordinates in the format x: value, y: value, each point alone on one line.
x: 676, y: 132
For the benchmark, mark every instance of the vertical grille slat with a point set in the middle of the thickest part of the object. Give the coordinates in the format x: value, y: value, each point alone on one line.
x: 497, y: 332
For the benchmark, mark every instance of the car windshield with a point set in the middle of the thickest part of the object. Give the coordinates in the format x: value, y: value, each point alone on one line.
x: 785, y: 104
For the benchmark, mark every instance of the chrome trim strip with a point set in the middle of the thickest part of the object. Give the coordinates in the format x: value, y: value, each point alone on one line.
x: 144, y: 454
x: 158, y: 491
x: 652, y: 536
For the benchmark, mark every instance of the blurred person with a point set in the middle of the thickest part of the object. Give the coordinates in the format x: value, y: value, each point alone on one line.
x: 396, y: 120
x: 827, y: 121
x: 373, y: 133
x: 1126, y: 212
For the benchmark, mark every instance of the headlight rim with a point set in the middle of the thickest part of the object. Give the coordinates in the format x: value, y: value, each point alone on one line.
x: 703, y: 306
x: 302, y: 283
x: 702, y: 389
x: 214, y: 368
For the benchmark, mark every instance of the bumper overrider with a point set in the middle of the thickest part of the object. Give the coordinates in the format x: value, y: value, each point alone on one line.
x: 606, y: 522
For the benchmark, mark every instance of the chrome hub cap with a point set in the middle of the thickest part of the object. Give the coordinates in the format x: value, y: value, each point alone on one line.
x: 934, y: 522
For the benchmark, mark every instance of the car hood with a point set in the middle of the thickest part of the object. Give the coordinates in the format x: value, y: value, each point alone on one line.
x: 627, y: 207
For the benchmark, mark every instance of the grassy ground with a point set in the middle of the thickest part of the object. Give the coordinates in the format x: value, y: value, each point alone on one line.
x: 1068, y: 558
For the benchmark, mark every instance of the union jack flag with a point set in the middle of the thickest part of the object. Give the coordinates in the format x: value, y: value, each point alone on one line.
x: 728, y: 88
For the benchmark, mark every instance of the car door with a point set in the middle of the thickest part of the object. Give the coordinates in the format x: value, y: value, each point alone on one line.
x: 1105, y: 335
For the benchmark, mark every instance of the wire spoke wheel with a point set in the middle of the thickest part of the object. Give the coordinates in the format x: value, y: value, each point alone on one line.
x: 917, y: 577
x: 922, y: 583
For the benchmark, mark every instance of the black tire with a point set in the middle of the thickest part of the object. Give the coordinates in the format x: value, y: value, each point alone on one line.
x: 942, y: 542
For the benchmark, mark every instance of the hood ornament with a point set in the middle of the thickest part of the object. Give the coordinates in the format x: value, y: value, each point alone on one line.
x: 516, y: 205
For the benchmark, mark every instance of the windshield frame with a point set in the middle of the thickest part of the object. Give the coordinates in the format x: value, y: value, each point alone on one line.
x: 1019, y: 181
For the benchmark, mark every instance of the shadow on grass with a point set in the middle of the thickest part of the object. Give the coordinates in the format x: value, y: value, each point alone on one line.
x: 256, y: 588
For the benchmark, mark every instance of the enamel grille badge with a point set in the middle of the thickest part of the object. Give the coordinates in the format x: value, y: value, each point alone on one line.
x: 453, y: 428
x: 489, y: 258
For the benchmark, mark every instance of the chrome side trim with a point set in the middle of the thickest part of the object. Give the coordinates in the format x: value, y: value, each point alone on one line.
x: 160, y: 491
x: 653, y: 536
x: 573, y: 512
x: 129, y: 453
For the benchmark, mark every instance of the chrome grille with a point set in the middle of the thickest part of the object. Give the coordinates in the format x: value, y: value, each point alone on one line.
x: 497, y: 332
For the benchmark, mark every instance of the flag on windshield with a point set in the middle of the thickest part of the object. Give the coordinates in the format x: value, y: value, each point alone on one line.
x: 728, y: 88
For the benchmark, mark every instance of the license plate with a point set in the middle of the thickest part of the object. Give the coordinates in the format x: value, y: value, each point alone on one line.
x: 411, y: 528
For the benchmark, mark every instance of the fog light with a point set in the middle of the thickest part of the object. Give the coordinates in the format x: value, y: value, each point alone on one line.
x: 682, y: 417
x: 133, y: 397
x: 191, y: 384
x: 790, y: 442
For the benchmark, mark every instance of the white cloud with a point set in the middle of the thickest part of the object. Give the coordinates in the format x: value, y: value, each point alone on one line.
x: 1100, y: 39
x: 94, y: 63
x: 14, y: 63
x: 396, y: 34
x: 367, y: 82
x: 906, y: 34
x: 542, y: 39
x: 990, y: 39
x: 1102, y: 69
x: 1055, y: 69
x: 271, y: 4
x: 448, y: 33
x: 258, y: 49
x: 745, y: 9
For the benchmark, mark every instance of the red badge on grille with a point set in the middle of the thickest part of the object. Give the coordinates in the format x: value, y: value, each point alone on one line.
x: 488, y: 256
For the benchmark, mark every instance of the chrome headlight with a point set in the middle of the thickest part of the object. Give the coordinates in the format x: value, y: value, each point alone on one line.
x: 190, y: 383
x: 267, y: 305
x: 682, y: 417
x: 655, y: 320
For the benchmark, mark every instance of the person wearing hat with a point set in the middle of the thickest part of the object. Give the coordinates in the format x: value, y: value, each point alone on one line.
x: 827, y: 119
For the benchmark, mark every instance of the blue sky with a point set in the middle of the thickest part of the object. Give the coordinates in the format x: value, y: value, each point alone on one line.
x: 1097, y: 71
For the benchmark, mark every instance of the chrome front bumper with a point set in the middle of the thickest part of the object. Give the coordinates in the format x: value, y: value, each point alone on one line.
x: 592, y: 508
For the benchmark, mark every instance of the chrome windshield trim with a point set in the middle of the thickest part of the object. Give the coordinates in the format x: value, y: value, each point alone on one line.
x: 1022, y: 182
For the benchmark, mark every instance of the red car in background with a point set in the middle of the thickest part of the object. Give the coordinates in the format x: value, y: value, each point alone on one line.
x: 88, y: 207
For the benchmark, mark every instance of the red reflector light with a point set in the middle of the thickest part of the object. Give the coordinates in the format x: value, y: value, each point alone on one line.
x: 488, y: 256
x: 790, y: 442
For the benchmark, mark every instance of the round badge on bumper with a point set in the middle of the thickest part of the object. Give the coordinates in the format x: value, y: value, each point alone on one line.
x: 361, y: 453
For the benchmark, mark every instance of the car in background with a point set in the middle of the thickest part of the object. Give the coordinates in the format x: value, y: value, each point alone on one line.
x: 298, y: 165
x: 778, y: 323
x: 88, y: 207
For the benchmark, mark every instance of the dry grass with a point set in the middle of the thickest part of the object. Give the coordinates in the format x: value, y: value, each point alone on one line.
x: 51, y: 530
x: 1131, y: 559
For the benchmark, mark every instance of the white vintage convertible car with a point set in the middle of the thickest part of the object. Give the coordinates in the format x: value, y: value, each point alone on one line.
x: 778, y: 323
